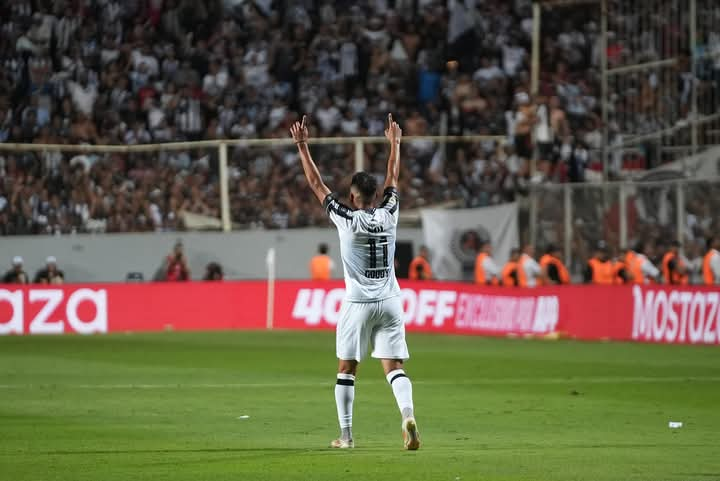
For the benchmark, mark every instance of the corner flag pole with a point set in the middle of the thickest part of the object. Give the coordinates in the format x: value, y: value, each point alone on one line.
x: 270, y: 260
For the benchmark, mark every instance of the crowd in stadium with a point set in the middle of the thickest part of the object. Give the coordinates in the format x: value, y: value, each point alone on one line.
x: 132, y: 72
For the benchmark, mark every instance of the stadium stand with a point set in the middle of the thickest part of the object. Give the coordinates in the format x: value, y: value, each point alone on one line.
x: 133, y: 72
x: 110, y: 72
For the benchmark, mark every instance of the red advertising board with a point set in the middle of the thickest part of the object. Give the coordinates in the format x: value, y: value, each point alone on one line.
x: 632, y: 313
x: 88, y: 309
x: 434, y: 307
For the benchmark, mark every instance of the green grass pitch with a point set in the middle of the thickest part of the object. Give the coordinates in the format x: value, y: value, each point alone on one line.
x: 167, y: 406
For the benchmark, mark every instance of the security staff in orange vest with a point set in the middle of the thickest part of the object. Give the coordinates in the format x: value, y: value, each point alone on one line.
x: 711, y: 262
x: 556, y: 271
x: 674, y: 268
x: 321, y: 265
x: 486, y: 271
x: 530, y: 274
x: 600, y: 269
x: 641, y: 267
x: 420, y: 267
x: 509, y: 272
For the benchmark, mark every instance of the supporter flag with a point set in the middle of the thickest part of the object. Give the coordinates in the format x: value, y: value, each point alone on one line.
x: 454, y: 237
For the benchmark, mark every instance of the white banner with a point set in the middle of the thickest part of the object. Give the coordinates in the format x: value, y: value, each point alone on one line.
x: 454, y: 237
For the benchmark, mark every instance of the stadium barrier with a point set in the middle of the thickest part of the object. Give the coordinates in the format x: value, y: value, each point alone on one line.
x: 662, y: 314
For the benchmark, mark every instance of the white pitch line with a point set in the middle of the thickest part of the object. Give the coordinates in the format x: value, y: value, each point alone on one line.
x: 478, y: 382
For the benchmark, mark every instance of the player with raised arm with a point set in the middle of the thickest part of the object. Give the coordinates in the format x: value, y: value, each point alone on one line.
x: 372, y: 311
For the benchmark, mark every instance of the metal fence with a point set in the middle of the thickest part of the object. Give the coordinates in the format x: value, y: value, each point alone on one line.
x: 657, y: 63
x: 247, y: 183
x: 578, y: 216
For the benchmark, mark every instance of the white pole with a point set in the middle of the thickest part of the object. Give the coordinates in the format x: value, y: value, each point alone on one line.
x: 270, y: 260
x: 680, y: 212
x: 535, y: 192
x: 535, y: 61
x: 604, y: 97
x: 567, y: 238
x: 694, y: 106
x: 224, y: 189
x: 623, y: 217
x: 359, y: 156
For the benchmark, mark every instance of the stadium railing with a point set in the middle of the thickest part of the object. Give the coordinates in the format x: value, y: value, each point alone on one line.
x: 335, y: 155
x: 577, y: 216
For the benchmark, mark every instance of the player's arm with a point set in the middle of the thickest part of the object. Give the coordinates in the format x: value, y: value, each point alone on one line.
x: 393, y: 133
x: 299, y: 134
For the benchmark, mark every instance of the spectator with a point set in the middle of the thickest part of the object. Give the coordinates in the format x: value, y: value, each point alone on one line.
x: 321, y: 265
x: 213, y: 272
x: 50, y: 274
x: 420, y: 269
x: 176, y: 267
x: 16, y: 275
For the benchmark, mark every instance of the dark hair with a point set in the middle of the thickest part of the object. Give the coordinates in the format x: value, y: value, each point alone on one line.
x: 213, y: 272
x: 710, y: 242
x: 515, y: 251
x: 323, y: 248
x: 675, y: 244
x: 366, y: 184
x: 551, y: 248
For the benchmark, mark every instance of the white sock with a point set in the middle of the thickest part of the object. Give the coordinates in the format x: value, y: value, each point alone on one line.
x: 344, y: 397
x: 402, y: 388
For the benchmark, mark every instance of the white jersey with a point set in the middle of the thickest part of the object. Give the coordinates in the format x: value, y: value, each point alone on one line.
x: 367, y: 247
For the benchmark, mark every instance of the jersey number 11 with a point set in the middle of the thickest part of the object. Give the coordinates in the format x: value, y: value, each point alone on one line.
x: 373, y: 254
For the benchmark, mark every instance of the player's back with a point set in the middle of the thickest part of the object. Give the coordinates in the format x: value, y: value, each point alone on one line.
x: 367, y: 248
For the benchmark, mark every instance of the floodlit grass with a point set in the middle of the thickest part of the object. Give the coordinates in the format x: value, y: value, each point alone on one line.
x: 167, y: 407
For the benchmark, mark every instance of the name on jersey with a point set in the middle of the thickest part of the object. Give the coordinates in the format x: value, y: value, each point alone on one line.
x: 377, y: 273
x: 376, y: 230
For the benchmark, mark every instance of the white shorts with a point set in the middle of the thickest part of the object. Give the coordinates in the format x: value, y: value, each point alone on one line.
x: 379, y: 324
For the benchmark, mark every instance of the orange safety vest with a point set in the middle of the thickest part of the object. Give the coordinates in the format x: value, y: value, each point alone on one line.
x: 602, y: 272
x: 480, y: 275
x: 507, y: 274
x: 629, y: 261
x: 320, y: 267
x: 618, y: 267
x: 522, y: 277
x: 635, y: 268
x: 413, y: 272
x: 563, y: 273
x: 708, y: 275
x: 673, y: 277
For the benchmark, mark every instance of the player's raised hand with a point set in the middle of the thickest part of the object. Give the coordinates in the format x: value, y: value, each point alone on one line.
x: 299, y: 131
x: 393, y: 132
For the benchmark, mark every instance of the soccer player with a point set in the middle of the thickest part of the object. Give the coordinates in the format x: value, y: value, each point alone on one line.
x: 372, y: 311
